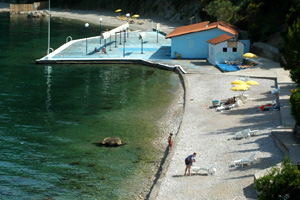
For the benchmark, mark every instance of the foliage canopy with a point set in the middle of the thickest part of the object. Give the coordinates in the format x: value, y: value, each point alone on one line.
x: 279, y: 183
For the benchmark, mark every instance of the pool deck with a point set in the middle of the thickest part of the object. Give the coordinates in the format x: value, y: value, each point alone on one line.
x: 154, y: 48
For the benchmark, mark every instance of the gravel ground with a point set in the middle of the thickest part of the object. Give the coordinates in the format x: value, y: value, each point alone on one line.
x: 206, y: 132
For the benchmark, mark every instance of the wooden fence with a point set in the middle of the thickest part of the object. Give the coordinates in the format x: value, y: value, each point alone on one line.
x: 17, y: 8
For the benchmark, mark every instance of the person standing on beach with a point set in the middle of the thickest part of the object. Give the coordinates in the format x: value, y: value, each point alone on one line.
x: 189, y: 162
x: 170, y: 140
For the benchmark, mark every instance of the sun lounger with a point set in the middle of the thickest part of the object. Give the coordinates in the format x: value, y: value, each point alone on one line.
x: 238, y: 103
x: 245, y: 78
x: 211, y: 170
x: 244, y: 161
x: 243, y: 97
x: 225, y: 107
x: 275, y: 90
x: 251, y: 132
x: 243, y: 134
x: 239, y: 135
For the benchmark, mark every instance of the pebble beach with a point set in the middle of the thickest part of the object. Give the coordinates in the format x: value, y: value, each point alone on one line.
x: 207, y: 132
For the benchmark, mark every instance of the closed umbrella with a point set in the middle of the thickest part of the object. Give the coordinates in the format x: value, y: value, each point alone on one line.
x: 242, y: 87
x: 238, y: 82
x: 251, y: 82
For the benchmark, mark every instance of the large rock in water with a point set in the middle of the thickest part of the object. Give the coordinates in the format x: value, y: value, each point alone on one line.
x: 111, y: 142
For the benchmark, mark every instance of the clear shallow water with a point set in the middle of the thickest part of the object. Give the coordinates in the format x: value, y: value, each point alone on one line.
x: 52, y: 116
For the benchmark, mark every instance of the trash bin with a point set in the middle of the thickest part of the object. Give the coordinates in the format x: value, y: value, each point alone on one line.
x: 215, y: 103
x: 179, y: 56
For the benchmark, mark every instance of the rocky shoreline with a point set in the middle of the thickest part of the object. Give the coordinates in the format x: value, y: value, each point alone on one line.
x: 169, y: 123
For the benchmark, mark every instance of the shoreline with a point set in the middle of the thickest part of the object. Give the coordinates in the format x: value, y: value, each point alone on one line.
x: 109, y: 18
x: 169, y: 123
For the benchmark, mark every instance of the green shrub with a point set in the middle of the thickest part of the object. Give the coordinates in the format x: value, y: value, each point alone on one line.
x: 279, y: 183
x: 295, y: 105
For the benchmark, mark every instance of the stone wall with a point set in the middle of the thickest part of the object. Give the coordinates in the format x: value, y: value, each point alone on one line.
x: 265, y: 50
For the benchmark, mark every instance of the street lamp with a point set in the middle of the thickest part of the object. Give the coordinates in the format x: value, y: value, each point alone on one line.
x: 86, y: 44
x: 48, y: 50
x: 157, y: 27
x: 100, y: 20
x: 124, y: 42
x: 120, y: 36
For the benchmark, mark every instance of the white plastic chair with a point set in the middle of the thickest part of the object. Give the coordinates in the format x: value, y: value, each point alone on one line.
x: 243, y: 134
x: 276, y: 90
x: 244, y: 161
x: 211, y: 170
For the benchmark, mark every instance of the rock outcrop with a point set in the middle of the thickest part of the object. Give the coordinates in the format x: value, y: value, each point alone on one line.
x: 111, y: 142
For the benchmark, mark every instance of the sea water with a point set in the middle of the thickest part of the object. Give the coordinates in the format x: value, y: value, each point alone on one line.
x: 52, y: 116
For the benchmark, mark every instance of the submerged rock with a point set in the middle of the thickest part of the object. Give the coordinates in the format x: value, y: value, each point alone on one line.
x: 111, y: 142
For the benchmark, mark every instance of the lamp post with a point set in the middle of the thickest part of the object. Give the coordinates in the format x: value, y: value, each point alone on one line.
x: 142, y: 45
x: 124, y: 42
x: 110, y: 42
x: 157, y: 30
x: 116, y: 39
x: 100, y: 20
x: 86, y: 43
x: 48, y: 50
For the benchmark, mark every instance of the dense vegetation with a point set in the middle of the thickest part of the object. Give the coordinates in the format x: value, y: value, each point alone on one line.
x: 261, y: 18
x: 280, y: 183
x: 291, y: 54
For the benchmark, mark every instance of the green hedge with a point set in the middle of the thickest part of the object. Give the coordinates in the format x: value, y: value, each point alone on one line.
x: 295, y: 105
x: 279, y: 183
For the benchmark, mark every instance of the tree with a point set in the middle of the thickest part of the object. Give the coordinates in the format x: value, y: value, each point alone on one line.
x: 295, y: 105
x: 280, y: 183
x: 291, y: 48
x: 222, y: 10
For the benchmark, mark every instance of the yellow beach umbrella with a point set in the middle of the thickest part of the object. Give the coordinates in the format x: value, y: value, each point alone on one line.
x: 251, y: 82
x: 119, y: 10
x: 249, y: 55
x: 238, y: 82
x: 242, y: 87
x: 135, y: 16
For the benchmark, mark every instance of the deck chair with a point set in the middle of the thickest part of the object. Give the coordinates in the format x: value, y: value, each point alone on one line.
x: 238, y: 103
x: 211, y: 170
x: 245, y: 78
x: 225, y: 107
x: 242, y: 97
x: 240, y: 135
x: 275, y: 90
x: 244, y: 134
x: 244, y: 161
x: 251, y: 132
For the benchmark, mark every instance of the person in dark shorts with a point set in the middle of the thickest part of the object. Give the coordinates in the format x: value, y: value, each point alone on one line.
x: 189, y: 162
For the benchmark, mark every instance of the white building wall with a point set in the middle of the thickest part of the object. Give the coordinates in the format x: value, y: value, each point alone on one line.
x: 219, y: 57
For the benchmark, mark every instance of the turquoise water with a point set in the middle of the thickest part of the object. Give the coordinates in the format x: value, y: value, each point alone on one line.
x: 52, y: 116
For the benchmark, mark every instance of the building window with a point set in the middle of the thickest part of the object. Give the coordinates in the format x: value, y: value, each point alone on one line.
x: 224, y: 49
x: 234, y: 49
